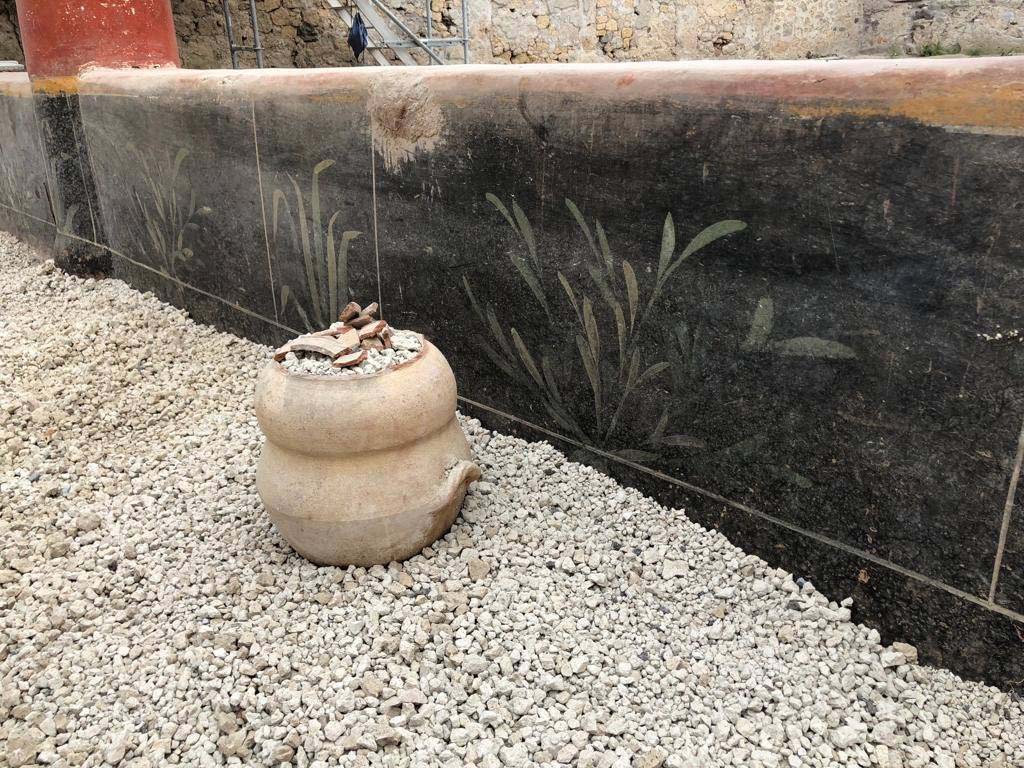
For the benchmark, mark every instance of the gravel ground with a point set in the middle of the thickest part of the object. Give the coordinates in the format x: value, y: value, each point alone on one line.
x: 151, y: 615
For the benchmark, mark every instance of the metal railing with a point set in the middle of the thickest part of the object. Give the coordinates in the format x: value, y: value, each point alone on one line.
x: 256, y: 47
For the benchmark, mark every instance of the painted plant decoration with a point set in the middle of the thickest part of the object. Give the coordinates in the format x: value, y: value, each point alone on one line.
x: 15, y: 193
x: 8, y: 181
x: 618, y: 369
x: 63, y: 217
x: 167, y: 207
x: 324, y: 256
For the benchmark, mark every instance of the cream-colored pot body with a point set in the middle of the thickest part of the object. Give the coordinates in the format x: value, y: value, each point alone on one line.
x: 359, y: 470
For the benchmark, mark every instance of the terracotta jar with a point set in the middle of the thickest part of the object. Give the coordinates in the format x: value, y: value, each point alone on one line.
x: 363, y: 469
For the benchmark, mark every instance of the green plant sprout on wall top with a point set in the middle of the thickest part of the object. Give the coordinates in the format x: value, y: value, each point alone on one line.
x: 325, y: 261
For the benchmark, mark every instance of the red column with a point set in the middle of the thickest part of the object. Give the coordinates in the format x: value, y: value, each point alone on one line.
x: 62, y: 36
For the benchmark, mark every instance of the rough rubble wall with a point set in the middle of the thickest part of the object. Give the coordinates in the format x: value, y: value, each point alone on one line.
x: 10, y: 41
x: 305, y: 33
x: 567, y: 30
x: 295, y: 33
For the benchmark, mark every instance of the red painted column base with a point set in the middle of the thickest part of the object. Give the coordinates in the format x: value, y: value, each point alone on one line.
x: 60, y: 37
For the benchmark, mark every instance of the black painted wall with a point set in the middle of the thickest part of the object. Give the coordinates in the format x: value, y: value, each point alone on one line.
x: 25, y: 206
x: 775, y: 301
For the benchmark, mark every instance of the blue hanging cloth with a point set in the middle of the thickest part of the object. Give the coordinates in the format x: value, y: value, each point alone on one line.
x: 358, y: 39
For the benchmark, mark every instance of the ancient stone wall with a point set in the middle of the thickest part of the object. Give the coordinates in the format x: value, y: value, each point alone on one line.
x: 10, y: 42
x: 294, y: 33
x: 585, y: 30
x: 305, y: 33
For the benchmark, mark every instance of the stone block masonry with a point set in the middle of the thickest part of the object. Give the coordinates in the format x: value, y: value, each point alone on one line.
x: 305, y: 33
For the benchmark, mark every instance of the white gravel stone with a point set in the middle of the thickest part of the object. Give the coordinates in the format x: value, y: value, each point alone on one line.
x: 150, y: 614
x: 670, y: 569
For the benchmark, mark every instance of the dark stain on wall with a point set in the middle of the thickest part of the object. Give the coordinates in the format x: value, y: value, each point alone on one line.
x: 78, y: 245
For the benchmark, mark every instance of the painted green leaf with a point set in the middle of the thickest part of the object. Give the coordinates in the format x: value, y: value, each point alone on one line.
x: 787, y: 474
x: 563, y: 419
x: 602, y: 287
x: 703, y: 238
x: 501, y: 362
x: 286, y: 293
x: 472, y: 299
x: 312, y: 272
x: 760, y: 326
x: 279, y: 198
x: 530, y: 279
x: 812, y: 346
x: 634, y: 369
x: 332, y: 271
x: 683, y: 441
x: 590, y: 324
x: 493, y: 200
x: 651, y: 372
x: 605, y: 250
x: 635, y: 455
x: 709, y: 234
x: 582, y: 224
x: 659, y: 429
x: 620, y: 332
x: 572, y: 296
x: 527, y: 232
x: 632, y: 291
x: 590, y: 366
x: 179, y: 158
x: 549, y: 379
x: 748, y: 449
x: 172, y: 182
x: 668, y: 244
x: 684, y: 343
x: 527, y: 358
x: 318, y: 234
x: 346, y: 240
x: 498, y: 334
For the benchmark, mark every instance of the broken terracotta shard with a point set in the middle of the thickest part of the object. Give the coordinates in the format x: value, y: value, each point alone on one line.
x: 349, y: 359
x: 349, y: 339
x: 346, y: 342
x: 373, y: 329
x: 324, y: 345
x: 332, y: 331
x: 351, y: 310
